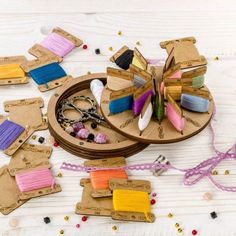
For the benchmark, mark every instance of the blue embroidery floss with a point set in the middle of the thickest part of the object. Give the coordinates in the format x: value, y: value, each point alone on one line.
x: 47, y: 73
x: 194, y: 103
x: 121, y: 104
x: 9, y: 132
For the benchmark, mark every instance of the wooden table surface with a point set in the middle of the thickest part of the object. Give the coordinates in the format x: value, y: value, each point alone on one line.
x: 23, y: 23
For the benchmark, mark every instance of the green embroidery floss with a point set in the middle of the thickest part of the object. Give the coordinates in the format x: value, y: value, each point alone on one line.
x: 198, y: 81
x: 159, y: 107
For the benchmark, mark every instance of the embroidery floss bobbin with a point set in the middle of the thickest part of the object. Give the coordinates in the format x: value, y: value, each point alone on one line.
x: 11, y: 71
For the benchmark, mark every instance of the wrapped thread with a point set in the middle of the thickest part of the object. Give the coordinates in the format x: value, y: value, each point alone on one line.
x: 159, y: 108
x: 121, y: 104
x: 125, y: 59
x: 47, y: 73
x: 198, y: 81
x: 96, y: 87
x: 9, y: 132
x: 35, y: 179
x: 100, y: 179
x: 131, y: 201
x: 57, y: 44
x: 11, y: 71
x: 139, y: 81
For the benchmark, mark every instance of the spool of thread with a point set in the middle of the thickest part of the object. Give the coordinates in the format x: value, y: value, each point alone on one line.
x: 121, y: 104
x: 11, y: 71
x: 137, y: 63
x: 194, y: 103
x: 131, y: 201
x: 96, y: 87
x: 176, y: 120
x: 173, y: 91
x: 57, y: 44
x: 125, y: 59
x: 100, y: 178
x: 47, y: 73
x: 35, y: 179
x: 159, y: 108
x: 139, y: 81
x: 139, y: 102
x: 9, y: 132
x: 198, y: 81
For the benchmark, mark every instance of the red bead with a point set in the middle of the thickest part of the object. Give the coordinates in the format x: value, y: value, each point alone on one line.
x: 77, y: 225
x: 56, y: 144
x: 194, y: 232
x: 84, y: 218
x: 153, y: 201
x: 85, y: 46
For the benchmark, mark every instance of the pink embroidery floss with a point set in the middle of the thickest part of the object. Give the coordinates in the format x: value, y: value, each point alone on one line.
x: 57, y: 44
x: 35, y: 179
x: 173, y: 116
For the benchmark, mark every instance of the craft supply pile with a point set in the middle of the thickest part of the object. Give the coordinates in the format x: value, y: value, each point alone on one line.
x: 100, y: 116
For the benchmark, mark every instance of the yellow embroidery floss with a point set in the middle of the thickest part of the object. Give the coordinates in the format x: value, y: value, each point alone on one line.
x: 10, y: 71
x: 137, y: 63
x: 131, y: 201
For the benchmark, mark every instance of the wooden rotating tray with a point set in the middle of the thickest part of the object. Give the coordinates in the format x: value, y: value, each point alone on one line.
x: 118, y: 145
x: 125, y: 123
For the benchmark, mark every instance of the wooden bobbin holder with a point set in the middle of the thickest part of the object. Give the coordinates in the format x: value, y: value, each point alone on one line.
x: 117, y: 144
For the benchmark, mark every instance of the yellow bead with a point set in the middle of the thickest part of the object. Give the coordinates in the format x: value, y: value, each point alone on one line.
x: 216, y: 58
x: 138, y: 43
x: 119, y: 33
x: 88, y: 73
x: 170, y: 215
x: 59, y: 175
x: 34, y: 137
x: 177, y: 225
x: 61, y: 231
x: 110, y: 48
x: 214, y: 172
x: 66, y: 218
x: 226, y: 172
x: 114, y: 227
x: 180, y: 230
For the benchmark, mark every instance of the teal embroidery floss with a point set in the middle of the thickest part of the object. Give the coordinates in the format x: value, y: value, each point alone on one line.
x: 47, y: 73
x: 121, y: 104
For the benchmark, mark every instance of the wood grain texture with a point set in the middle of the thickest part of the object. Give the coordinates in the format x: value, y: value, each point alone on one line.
x: 24, y: 23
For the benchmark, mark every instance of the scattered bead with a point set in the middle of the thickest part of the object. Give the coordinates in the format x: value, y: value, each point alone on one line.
x: 66, y: 218
x: 153, y: 201
x: 119, y: 33
x: 213, y: 215
x: 13, y: 222
x: 177, y: 225
x: 59, y: 175
x: 83, y: 134
x: 97, y: 51
x: 85, y: 46
x: 73, y: 134
x: 138, y: 43
x: 114, y: 227
x: 89, y: 72
x: 214, y: 172
x: 216, y: 58
x: 180, y: 230
x: 34, y: 137
x: 56, y: 144
x: 61, y: 231
x: 41, y: 140
x: 77, y: 225
x: 84, y: 218
x: 194, y: 232
x: 77, y: 126
x: 110, y: 48
x: 100, y: 138
x: 207, y: 196
x: 46, y: 220
x: 69, y: 129
x: 170, y: 215
x: 91, y: 137
x: 93, y: 125
x: 154, y: 194
x: 50, y: 140
x: 226, y: 172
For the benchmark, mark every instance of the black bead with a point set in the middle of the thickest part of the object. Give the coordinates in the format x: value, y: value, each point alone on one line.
x: 41, y: 140
x: 93, y: 125
x: 46, y: 220
x: 213, y: 215
x: 91, y: 137
x: 73, y: 134
x: 97, y: 51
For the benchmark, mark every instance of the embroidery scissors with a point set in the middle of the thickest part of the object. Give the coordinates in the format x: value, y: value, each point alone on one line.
x: 85, y: 114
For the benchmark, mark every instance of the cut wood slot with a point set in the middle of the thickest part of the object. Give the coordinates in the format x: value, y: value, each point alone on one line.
x: 203, y: 92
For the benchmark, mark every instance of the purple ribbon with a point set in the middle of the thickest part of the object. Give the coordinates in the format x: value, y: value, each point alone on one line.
x: 191, y: 176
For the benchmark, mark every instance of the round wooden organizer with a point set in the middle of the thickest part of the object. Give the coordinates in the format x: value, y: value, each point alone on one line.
x: 126, y: 124
x: 118, y: 145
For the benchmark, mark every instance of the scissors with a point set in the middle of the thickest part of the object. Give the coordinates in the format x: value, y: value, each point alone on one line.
x: 85, y: 114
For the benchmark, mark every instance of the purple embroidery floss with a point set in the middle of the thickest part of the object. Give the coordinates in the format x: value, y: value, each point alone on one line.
x: 139, y: 102
x: 9, y: 132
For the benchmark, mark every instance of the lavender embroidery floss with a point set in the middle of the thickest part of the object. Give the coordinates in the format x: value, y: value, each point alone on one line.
x: 9, y: 132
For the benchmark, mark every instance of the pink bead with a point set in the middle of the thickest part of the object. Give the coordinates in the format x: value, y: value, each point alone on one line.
x: 100, y: 138
x: 77, y: 126
x: 207, y: 196
x: 154, y: 194
x: 83, y: 134
x: 77, y: 225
